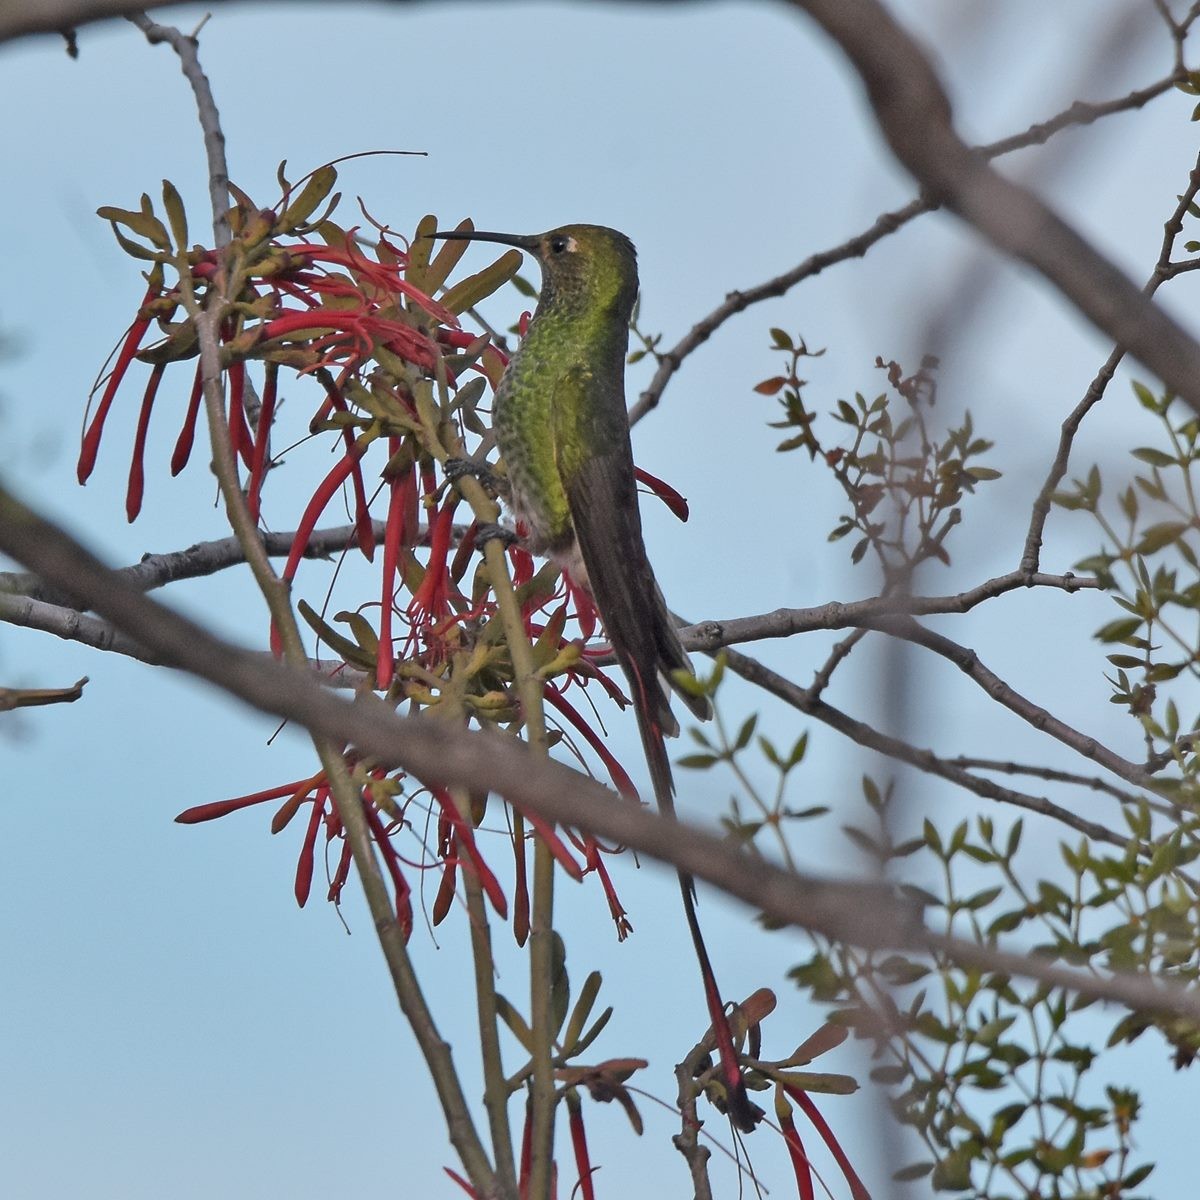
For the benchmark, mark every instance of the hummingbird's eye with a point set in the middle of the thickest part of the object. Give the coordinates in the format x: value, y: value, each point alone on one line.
x: 560, y: 243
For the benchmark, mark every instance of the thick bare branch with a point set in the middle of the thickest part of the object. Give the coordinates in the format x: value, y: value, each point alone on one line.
x: 711, y: 635
x: 914, y: 115
x: 866, y: 914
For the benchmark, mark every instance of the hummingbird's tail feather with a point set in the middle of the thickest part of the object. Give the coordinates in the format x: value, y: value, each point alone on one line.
x: 744, y: 1113
x: 673, y: 657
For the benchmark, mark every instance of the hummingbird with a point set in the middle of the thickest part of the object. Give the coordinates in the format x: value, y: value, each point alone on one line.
x: 563, y: 431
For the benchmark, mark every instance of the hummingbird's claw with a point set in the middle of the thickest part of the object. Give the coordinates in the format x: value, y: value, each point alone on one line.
x: 492, y: 531
x: 455, y: 469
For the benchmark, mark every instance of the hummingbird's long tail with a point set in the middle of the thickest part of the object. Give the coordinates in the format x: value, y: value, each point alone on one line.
x: 742, y: 1111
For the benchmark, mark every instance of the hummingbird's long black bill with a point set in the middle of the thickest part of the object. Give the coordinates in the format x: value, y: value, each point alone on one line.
x: 478, y: 235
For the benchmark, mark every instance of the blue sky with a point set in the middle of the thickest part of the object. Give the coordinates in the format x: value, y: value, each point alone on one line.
x: 169, y: 1015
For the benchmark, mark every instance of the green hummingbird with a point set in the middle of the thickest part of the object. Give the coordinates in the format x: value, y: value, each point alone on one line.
x: 563, y: 432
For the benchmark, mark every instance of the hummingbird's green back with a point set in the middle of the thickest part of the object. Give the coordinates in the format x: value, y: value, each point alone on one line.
x: 563, y: 397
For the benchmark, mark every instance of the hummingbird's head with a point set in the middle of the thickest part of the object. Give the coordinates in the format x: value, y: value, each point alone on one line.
x: 590, y: 265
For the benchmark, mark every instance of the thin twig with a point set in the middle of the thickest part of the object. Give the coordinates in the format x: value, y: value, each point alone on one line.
x: 1041, y: 719
x: 1094, y: 782
x: 1078, y: 114
x: 924, y: 760
x: 1031, y: 555
x: 187, y: 48
x: 208, y: 558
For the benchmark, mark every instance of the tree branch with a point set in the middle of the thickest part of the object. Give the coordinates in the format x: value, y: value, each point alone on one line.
x: 1078, y: 114
x: 1163, y: 270
x: 924, y: 760
x: 863, y: 913
x: 914, y: 116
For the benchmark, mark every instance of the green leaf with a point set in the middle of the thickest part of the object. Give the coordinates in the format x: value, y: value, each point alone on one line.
x: 746, y: 732
x: 466, y: 293
x: 581, y: 1011
x: 1156, y: 458
x: 1119, y: 630
x: 145, y: 225
x: 1136, y: 1176
x: 911, y: 1172
x: 449, y: 255
x: 697, y: 762
x: 320, y: 184
x: 176, y: 215
x: 342, y: 646
x: 1146, y: 398
x: 515, y: 1022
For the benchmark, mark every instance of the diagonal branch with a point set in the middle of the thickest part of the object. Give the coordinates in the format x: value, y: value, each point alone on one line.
x: 1077, y: 114
x: 863, y: 913
x: 1164, y: 269
x: 914, y: 116
x: 924, y: 760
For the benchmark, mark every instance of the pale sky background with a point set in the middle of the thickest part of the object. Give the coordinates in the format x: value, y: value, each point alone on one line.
x: 171, y: 1025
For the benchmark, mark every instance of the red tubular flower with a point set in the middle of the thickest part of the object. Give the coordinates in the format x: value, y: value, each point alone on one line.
x: 795, y: 1148
x: 617, y: 773
x: 591, y: 850
x: 222, y: 808
x: 810, y: 1110
x: 320, y: 500
x: 464, y: 836
x: 258, y: 461
x: 137, y: 467
x: 526, y: 1151
x: 386, y: 278
x: 583, y: 1162
x: 665, y: 492
x: 240, y: 437
x: 129, y: 347
x: 555, y: 845
x: 363, y: 525
x: 462, y: 1183
x: 431, y: 598
x: 404, y: 914
x: 308, y: 848
x: 187, y: 435
x: 440, y: 909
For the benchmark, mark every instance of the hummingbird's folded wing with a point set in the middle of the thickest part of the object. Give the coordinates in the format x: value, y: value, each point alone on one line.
x: 596, y: 464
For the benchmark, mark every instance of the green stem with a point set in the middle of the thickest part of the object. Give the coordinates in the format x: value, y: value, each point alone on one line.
x: 495, y: 1090
x: 443, y: 443
x: 541, y: 928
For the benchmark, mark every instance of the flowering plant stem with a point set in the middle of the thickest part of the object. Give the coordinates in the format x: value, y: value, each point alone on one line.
x: 541, y: 935
x: 346, y: 797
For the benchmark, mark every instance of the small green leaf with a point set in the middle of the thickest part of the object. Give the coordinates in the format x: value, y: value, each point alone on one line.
x: 697, y: 762
x: 1155, y: 458
x: 320, y: 184
x: 466, y: 293
x: 176, y: 215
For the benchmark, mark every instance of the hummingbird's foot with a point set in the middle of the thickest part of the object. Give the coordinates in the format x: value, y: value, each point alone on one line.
x: 492, y: 531
x: 455, y: 469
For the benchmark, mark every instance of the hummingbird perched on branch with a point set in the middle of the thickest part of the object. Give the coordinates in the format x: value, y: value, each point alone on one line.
x: 563, y: 431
